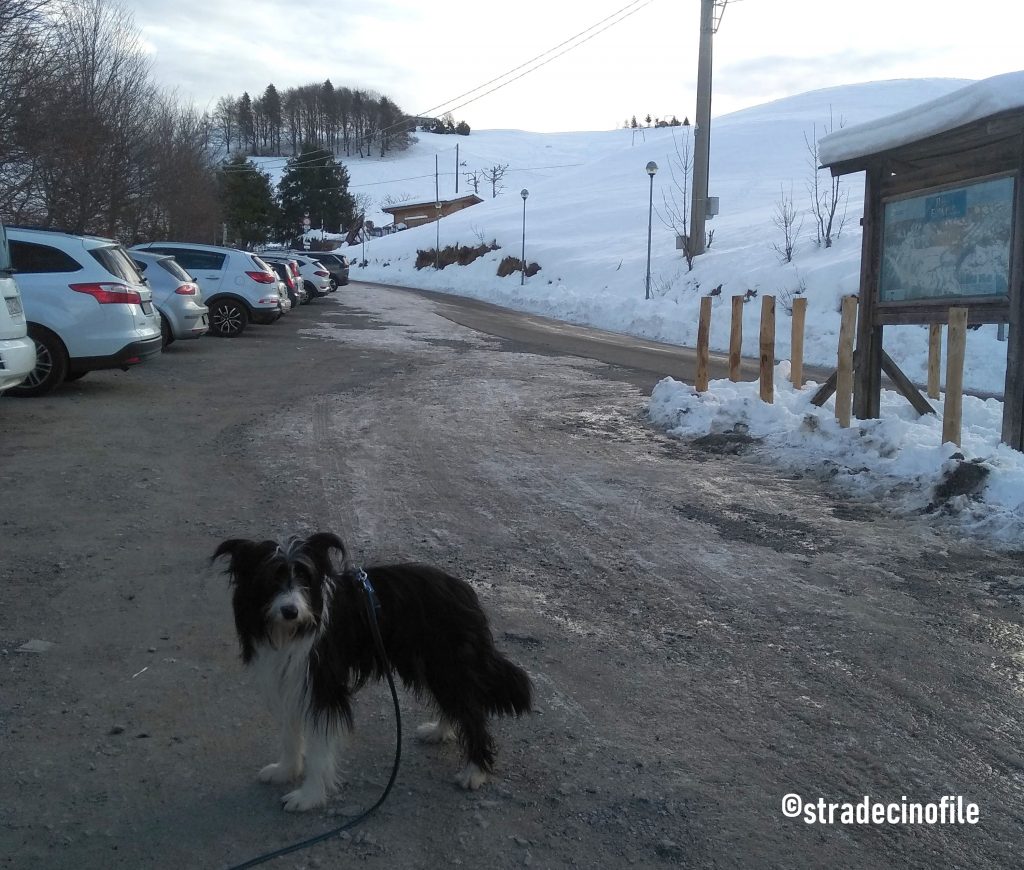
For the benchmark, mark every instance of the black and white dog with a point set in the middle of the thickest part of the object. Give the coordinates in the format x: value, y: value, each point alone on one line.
x: 305, y: 627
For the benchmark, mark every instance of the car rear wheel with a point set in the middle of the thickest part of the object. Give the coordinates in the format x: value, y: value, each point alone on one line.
x: 165, y: 331
x: 228, y: 318
x: 51, y: 365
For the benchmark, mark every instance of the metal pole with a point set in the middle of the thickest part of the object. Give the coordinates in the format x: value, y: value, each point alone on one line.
x: 650, y: 213
x: 524, y: 193
x: 522, y: 279
x: 702, y: 132
x: 456, y: 168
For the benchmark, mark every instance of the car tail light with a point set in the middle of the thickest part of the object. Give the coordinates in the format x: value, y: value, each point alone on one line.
x: 288, y: 280
x: 262, y: 277
x: 269, y: 300
x: 295, y: 268
x: 186, y: 290
x: 107, y: 294
x: 322, y: 274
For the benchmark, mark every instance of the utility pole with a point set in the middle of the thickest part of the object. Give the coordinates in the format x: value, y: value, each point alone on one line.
x: 456, y: 168
x: 709, y: 23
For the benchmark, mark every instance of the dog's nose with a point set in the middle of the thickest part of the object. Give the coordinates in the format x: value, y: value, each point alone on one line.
x: 289, y: 611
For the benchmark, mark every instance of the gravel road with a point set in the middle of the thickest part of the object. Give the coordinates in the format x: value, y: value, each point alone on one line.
x: 705, y: 634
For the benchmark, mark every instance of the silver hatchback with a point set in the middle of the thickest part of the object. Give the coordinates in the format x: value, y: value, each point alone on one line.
x: 176, y: 296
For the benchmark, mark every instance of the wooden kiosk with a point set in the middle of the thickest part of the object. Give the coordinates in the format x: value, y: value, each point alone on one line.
x: 943, y: 226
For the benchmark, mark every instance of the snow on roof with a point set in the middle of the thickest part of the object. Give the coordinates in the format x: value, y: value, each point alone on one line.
x: 972, y: 103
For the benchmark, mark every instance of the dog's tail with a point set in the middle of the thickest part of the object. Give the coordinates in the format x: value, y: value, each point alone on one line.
x: 510, y: 692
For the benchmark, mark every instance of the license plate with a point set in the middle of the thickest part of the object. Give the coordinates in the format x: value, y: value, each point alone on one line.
x: 147, y: 307
x: 13, y: 305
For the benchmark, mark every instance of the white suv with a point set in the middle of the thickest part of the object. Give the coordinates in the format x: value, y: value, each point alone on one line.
x: 238, y: 286
x: 17, y: 350
x: 86, y: 305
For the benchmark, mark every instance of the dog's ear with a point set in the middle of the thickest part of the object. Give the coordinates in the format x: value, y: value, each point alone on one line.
x: 245, y: 556
x: 320, y: 546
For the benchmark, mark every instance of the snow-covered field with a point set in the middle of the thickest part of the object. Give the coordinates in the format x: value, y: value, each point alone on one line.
x: 586, y: 221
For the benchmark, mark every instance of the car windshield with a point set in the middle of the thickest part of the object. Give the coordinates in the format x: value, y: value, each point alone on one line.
x: 118, y: 263
x: 172, y: 266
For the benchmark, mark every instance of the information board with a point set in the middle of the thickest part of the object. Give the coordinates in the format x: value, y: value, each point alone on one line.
x: 948, y: 244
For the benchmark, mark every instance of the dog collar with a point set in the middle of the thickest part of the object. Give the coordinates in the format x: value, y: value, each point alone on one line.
x: 371, y: 595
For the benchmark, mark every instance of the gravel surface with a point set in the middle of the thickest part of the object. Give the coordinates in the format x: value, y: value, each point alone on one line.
x: 705, y: 635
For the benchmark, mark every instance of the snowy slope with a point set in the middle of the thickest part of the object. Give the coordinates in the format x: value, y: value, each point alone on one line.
x: 586, y: 224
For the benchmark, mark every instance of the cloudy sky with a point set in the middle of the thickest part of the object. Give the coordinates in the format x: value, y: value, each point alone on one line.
x: 642, y: 58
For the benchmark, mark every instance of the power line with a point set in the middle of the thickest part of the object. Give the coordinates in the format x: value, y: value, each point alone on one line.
x: 532, y: 59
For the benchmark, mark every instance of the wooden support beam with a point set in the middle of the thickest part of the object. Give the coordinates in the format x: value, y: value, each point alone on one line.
x: 844, y: 371
x: 934, y: 358
x: 700, y: 383
x: 906, y: 386
x: 796, y: 356
x: 736, y: 339
x: 767, y: 349
x: 956, y: 346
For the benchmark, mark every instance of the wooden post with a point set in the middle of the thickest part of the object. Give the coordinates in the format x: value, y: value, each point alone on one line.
x: 736, y: 339
x: 934, y: 358
x: 768, y: 349
x: 956, y: 345
x: 844, y: 373
x: 703, y: 340
x: 867, y: 385
x: 796, y: 343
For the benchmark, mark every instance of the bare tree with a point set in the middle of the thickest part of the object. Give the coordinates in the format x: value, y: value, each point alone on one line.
x: 22, y: 64
x: 474, y: 177
x: 676, y: 196
x: 493, y: 177
x: 785, y: 218
x: 825, y: 198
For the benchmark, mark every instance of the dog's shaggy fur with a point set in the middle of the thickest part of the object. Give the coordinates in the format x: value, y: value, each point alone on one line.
x: 305, y: 627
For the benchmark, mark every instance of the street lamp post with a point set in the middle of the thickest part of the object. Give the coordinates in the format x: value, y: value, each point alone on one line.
x: 524, y: 193
x: 437, y: 244
x: 652, y: 167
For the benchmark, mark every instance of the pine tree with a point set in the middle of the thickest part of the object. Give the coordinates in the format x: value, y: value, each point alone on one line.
x: 315, y: 183
x: 247, y: 201
x: 275, y: 120
x: 246, y: 124
x: 632, y: 123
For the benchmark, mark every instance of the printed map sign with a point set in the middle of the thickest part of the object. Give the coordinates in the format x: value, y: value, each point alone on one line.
x: 949, y: 244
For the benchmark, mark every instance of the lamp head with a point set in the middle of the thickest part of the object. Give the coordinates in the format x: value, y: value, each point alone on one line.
x: 652, y: 167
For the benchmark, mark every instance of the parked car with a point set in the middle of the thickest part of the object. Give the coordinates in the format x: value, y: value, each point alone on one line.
x: 86, y: 305
x: 239, y: 288
x: 177, y: 297
x: 336, y: 264
x: 293, y: 284
x: 315, y: 277
x: 17, y: 350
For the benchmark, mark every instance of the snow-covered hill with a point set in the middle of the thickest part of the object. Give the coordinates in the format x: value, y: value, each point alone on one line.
x: 586, y: 224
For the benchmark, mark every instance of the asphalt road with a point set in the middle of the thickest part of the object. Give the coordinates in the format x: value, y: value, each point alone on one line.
x: 705, y: 634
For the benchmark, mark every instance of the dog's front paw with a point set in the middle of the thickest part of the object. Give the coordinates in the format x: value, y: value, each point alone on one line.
x: 435, y: 732
x: 471, y: 777
x: 278, y: 774
x: 303, y: 799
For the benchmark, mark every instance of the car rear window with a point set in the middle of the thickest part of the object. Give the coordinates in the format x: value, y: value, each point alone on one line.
x: 30, y: 258
x: 175, y: 269
x: 259, y: 263
x: 194, y: 261
x: 117, y: 263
